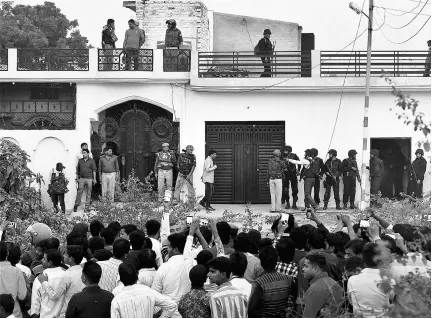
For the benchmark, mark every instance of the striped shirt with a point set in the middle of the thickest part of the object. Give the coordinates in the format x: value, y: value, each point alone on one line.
x: 228, y: 302
x: 139, y: 301
x: 109, y: 267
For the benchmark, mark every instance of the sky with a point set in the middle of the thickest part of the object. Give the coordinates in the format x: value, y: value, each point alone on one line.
x: 332, y: 21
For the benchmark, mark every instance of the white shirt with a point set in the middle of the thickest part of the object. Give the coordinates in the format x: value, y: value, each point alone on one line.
x: 71, y: 284
x: 172, y: 278
x: 145, y: 277
x: 11, y: 316
x: 138, y: 301
x: 368, y: 300
x: 243, y: 285
x: 208, y: 171
x: 414, y: 261
x: 25, y: 270
x: 41, y: 302
x: 156, y: 247
x: 109, y: 267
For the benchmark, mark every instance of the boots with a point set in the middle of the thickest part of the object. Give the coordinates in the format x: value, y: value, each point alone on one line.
x: 294, y: 206
x: 352, y: 206
x: 288, y: 206
x: 345, y: 206
x: 338, y: 206
x: 325, y: 206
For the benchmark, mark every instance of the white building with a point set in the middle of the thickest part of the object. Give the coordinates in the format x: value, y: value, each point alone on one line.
x: 205, y: 97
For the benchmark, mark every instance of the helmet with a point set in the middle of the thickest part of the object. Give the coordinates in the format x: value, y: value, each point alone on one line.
x: 374, y: 152
x: 352, y: 153
x: 332, y: 152
x: 419, y: 151
x: 267, y: 31
x: 308, y: 153
x: 39, y: 232
x: 288, y: 148
x: 314, y: 151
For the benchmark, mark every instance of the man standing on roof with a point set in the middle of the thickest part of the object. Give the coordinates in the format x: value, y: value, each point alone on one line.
x: 265, y: 48
x: 173, y: 36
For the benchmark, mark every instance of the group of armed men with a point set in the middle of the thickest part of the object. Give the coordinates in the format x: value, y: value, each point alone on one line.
x: 284, y: 169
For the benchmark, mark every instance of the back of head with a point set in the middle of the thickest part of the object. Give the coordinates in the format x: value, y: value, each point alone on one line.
x: 356, y: 245
x: 129, y: 228
x: 238, y: 264
x: 76, y: 253
x: 120, y: 248
x: 405, y: 230
x: 92, y: 271
x: 345, y: 237
x: 3, y: 251
x: 177, y: 241
x: 116, y: 227
x: 242, y: 243
x: 54, y: 256
x: 203, y: 257
x: 285, y: 249
x: 335, y: 240
x: 102, y: 254
x: 152, y: 227
x: 52, y: 243
x: 299, y: 237
x: 207, y: 234
x: 136, y: 239
x: 109, y: 235
x: 147, y: 243
x: 265, y: 242
x: 95, y: 227
x: 198, y: 276
x: 14, y: 255
x: 7, y: 303
x: 352, y: 263
x: 128, y: 274
x: 317, y: 239
x: 81, y: 228
x: 314, y: 151
x: 147, y: 259
x: 224, y: 230
x: 370, y: 252
x: 268, y: 257
x: 96, y: 243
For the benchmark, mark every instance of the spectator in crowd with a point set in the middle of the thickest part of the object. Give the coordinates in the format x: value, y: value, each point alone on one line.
x: 255, y: 238
x: 224, y: 232
x: 41, y: 303
x: 153, y: 232
x: 136, y: 239
x: 147, y: 267
x: 96, y: 243
x: 136, y: 300
x: 354, y: 248
x: 95, y: 227
x: 299, y: 238
x: 227, y: 301
x: 86, y: 178
x: 286, y: 250
x: 238, y: 269
x: 116, y: 227
x: 102, y: 255
x: 173, y: 36
x: 367, y: 295
x: 7, y: 305
x: 254, y: 269
x: 272, y: 290
x: 324, y: 297
x: 126, y: 230
x: 12, y: 280
x: 133, y: 41
x: 92, y: 301
x: 195, y: 304
x: 172, y: 278
x: 110, y: 267
x: 38, y: 232
x: 109, y: 236
x: 14, y: 257
x: 109, y: 173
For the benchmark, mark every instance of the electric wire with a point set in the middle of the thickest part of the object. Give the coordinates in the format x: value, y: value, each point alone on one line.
x: 404, y: 26
x: 406, y: 12
x: 415, y: 34
x: 399, y: 15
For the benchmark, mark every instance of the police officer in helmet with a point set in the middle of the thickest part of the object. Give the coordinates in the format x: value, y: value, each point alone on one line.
x: 350, y: 173
x: 334, y: 165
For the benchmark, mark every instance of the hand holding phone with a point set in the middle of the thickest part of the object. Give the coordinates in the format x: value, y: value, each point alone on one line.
x: 284, y: 219
x: 189, y: 220
x: 203, y: 222
x: 364, y: 224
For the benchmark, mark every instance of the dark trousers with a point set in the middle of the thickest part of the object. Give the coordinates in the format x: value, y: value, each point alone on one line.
x: 309, y: 182
x: 56, y: 198
x: 132, y: 54
x: 349, y: 189
x: 208, y: 194
x: 398, y: 184
x: 415, y: 189
x: 291, y: 179
x: 375, y: 184
x: 335, y: 192
x: 267, y: 67
x: 317, y: 188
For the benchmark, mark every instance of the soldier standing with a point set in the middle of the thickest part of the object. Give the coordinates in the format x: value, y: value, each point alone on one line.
x: 318, y: 178
x: 417, y: 172
x: 334, y: 165
x: 290, y: 178
x: 350, y: 172
x: 376, y: 170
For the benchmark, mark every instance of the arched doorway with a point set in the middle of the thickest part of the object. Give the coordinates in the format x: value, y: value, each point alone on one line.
x: 138, y: 129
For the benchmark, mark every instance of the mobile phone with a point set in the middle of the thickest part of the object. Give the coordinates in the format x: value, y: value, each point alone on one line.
x: 203, y: 222
x: 364, y: 223
x: 284, y: 219
x: 189, y: 220
x: 392, y: 236
x: 12, y: 225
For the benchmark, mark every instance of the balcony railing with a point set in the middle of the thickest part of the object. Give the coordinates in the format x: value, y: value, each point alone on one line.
x: 125, y: 60
x: 176, y: 60
x: 247, y: 64
x: 3, y: 59
x: 53, y: 60
x: 390, y: 63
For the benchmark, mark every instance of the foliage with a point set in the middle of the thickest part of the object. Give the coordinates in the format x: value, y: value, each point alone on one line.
x: 410, y: 115
x: 39, y: 26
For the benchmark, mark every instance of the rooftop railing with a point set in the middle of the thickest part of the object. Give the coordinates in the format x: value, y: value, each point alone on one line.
x: 3, y: 59
x: 387, y: 63
x: 53, y: 60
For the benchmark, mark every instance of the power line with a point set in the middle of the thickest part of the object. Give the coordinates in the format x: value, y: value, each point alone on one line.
x: 416, y: 1
x: 410, y: 37
x: 399, y: 15
x: 415, y: 17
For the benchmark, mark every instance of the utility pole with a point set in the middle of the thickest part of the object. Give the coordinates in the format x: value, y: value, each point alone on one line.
x: 365, y: 197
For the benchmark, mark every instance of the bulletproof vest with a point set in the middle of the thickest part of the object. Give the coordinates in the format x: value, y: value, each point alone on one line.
x: 313, y: 169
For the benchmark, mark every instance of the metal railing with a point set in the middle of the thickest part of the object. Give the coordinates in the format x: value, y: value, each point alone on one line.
x: 176, y: 60
x: 125, y: 60
x: 53, y: 60
x: 384, y: 63
x: 247, y: 64
x: 3, y: 59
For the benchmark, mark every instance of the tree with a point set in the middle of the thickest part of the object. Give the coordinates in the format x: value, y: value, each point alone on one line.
x: 39, y: 26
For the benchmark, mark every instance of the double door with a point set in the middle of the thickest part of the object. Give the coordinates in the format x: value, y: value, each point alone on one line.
x: 243, y: 150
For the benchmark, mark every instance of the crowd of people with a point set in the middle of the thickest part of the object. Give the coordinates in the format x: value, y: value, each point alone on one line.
x: 211, y: 270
